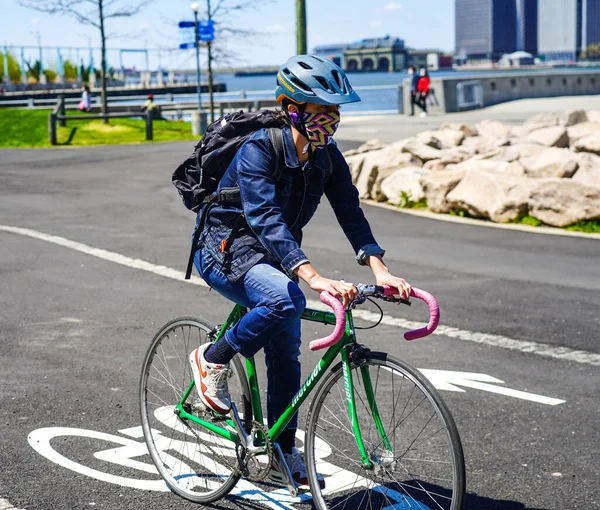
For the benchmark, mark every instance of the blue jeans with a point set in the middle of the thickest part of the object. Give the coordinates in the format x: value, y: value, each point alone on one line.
x: 275, y: 304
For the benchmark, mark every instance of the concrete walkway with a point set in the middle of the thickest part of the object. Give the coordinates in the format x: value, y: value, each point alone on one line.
x: 390, y: 128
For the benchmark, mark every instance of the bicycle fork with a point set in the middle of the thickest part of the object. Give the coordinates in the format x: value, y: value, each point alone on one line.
x: 370, y: 461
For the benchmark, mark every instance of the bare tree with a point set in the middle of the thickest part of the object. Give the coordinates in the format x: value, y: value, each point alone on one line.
x: 95, y: 13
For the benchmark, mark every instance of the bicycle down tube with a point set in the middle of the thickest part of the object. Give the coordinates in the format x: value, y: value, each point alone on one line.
x: 313, y: 379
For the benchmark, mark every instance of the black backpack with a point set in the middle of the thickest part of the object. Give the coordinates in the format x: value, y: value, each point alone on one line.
x: 197, y: 178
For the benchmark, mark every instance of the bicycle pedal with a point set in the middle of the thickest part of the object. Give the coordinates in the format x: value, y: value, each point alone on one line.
x: 206, y: 413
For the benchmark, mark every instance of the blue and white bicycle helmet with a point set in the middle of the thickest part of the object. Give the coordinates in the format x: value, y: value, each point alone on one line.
x: 312, y: 79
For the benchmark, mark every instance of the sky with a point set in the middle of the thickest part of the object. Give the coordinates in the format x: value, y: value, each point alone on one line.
x: 421, y: 23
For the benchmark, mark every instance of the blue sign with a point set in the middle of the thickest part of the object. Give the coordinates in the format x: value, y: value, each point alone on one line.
x: 187, y: 36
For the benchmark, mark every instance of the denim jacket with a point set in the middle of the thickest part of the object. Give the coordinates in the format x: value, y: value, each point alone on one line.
x: 276, y: 212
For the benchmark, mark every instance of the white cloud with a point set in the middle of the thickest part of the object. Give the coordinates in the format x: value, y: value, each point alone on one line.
x: 35, y: 21
x: 392, y: 6
x: 375, y: 23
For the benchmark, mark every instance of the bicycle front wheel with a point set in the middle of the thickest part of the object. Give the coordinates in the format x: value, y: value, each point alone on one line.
x: 195, y: 462
x: 411, y: 441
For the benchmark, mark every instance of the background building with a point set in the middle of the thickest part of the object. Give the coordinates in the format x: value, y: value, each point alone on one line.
x: 383, y: 54
x: 334, y: 52
x: 488, y: 29
x: 567, y: 27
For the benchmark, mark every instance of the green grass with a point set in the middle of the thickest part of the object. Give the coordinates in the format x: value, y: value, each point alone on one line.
x: 29, y: 128
x: 406, y: 201
x: 587, y: 226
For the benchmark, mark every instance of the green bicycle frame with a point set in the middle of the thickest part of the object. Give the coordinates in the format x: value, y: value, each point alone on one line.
x: 315, y: 376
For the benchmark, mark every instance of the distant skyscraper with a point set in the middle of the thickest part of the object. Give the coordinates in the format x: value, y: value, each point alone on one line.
x: 566, y: 27
x: 487, y: 29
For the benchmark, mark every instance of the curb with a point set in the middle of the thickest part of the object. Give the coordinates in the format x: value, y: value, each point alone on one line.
x: 481, y: 223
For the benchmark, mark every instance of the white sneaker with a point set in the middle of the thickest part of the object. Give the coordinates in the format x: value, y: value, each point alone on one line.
x: 211, y: 381
x: 423, y: 114
x: 297, y: 465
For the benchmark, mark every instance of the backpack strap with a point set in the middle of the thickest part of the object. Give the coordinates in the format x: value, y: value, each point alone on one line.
x: 276, y: 138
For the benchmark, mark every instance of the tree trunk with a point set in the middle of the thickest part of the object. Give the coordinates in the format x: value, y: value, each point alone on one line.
x: 103, y: 62
x: 301, y: 43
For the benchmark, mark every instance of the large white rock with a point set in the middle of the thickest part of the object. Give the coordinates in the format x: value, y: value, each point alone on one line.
x: 485, y: 194
x: 370, y: 145
x: 562, y: 202
x: 572, y: 117
x: 454, y: 156
x: 420, y: 150
x: 481, y: 145
x: 539, y: 121
x: 447, y: 138
x: 437, y: 185
x: 582, y: 130
x: 463, y: 128
x: 403, y: 160
x: 552, y: 162
x: 589, y: 143
x: 590, y: 176
x: 492, y: 129
x: 429, y: 138
x: 404, y: 183
x: 489, y: 165
x: 355, y: 162
x: 550, y: 137
x: 509, y: 153
x: 593, y: 115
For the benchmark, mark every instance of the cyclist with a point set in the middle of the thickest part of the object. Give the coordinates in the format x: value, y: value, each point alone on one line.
x: 260, y: 264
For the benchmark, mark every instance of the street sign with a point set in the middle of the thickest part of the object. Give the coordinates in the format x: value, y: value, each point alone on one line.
x: 187, y: 36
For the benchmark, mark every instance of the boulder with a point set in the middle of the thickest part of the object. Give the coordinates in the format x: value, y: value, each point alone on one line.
x: 480, y: 144
x: 371, y: 145
x: 527, y: 149
x: 454, y: 156
x: 428, y: 138
x: 437, y: 185
x: 589, y: 143
x: 562, y: 202
x: 581, y: 130
x: 572, y: 117
x: 593, y: 116
x: 402, y: 160
x: 590, y: 176
x: 355, y: 162
x: 539, y: 121
x: 552, y: 162
x: 485, y: 194
x: 500, y: 167
x: 404, y: 184
x: 509, y: 153
x: 420, y: 150
x: 492, y: 129
x: 435, y: 165
x: 463, y: 128
x: 550, y: 137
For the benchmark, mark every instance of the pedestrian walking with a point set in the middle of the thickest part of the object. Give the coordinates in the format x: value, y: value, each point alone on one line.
x: 423, y: 91
x: 414, y: 82
x: 85, y: 105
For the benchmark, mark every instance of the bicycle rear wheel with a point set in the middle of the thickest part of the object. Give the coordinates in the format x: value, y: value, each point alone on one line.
x: 196, y: 463
x: 418, y: 462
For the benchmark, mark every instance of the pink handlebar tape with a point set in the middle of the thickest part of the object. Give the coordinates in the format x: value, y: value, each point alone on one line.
x: 434, y: 312
x: 340, y: 323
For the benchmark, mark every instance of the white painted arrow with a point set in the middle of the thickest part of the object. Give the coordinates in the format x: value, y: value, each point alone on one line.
x: 447, y: 380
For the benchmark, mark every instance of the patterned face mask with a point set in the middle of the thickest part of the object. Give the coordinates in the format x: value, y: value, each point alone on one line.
x: 320, y: 127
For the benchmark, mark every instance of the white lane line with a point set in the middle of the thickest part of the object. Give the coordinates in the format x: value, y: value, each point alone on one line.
x: 5, y: 505
x: 541, y: 349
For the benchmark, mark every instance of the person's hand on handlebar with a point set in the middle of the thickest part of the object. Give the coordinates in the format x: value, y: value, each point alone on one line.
x: 384, y: 277
x: 346, y: 291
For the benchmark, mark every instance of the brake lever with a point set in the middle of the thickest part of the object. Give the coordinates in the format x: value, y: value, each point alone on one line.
x: 396, y: 300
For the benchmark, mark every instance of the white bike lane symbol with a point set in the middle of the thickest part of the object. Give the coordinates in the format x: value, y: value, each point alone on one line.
x: 125, y: 455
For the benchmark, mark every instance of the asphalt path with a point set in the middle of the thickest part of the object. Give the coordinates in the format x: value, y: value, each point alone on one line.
x: 74, y: 329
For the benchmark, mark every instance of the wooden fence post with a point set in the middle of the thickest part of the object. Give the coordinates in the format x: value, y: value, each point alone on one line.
x: 149, y: 115
x: 61, y: 110
x: 52, y: 128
